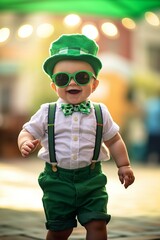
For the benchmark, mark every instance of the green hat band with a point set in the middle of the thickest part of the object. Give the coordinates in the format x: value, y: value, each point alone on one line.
x: 74, y: 51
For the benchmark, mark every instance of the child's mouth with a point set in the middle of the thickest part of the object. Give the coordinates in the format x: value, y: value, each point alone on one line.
x: 74, y: 91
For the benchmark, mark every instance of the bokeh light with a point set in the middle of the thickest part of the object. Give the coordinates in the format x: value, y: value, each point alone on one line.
x: 90, y: 31
x: 72, y: 20
x: 25, y: 31
x: 45, y: 30
x: 4, y: 34
x: 128, y: 23
x: 110, y: 29
x: 152, y: 19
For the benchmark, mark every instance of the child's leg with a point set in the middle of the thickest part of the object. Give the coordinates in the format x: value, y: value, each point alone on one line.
x: 96, y: 230
x: 59, y: 235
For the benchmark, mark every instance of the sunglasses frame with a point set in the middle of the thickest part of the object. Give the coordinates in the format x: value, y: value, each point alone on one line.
x: 73, y: 75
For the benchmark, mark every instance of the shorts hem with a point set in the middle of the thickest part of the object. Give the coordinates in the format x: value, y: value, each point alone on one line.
x: 60, y: 225
x: 88, y: 217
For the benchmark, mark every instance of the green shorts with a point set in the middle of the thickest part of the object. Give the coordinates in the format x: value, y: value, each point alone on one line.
x: 71, y: 194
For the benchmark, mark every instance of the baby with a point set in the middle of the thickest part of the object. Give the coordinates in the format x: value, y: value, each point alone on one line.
x: 71, y: 132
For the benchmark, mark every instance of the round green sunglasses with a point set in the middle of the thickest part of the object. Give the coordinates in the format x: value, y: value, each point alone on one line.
x: 62, y: 79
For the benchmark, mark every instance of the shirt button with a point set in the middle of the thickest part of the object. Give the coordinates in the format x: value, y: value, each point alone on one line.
x: 74, y: 157
x: 75, y: 118
x: 75, y: 138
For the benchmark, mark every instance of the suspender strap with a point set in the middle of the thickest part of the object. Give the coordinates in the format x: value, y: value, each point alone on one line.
x: 51, y: 140
x: 99, y: 130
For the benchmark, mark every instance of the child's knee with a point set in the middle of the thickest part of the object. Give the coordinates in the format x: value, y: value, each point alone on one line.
x: 96, y: 225
x: 56, y: 235
x: 96, y: 230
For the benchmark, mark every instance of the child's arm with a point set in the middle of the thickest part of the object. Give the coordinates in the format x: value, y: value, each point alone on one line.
x: 27, y: 143
x: 119, y: 153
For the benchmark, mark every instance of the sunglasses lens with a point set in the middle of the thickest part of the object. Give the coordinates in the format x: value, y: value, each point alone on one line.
x: 82, y: 78
x: 61, y: 79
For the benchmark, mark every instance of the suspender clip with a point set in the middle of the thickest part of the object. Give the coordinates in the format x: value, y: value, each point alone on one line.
x: 93, y: 165
x: 54, y: 168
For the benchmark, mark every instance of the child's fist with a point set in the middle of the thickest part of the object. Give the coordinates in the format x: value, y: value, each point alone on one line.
x: 126, y: 175
x: 28, y: 147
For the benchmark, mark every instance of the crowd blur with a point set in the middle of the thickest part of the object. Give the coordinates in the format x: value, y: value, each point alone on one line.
x: 142, y: 132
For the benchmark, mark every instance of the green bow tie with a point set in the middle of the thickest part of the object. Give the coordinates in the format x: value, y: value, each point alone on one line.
x: 68, y: 109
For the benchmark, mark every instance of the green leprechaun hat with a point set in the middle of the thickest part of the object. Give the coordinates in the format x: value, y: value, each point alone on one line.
x: 73, y: 46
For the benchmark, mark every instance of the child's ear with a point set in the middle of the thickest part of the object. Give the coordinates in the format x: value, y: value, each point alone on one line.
x: 95, y: 85
x: 53, y: 86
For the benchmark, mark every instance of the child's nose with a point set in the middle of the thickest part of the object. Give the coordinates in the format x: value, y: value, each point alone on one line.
x: 72, y: 82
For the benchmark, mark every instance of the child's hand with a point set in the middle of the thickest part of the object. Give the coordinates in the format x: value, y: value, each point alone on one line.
x: 126, y: 175
x: 28, y: 147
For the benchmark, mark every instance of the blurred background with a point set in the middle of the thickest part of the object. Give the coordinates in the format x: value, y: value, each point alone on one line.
x: 129, y: 47
x: 128, y: 35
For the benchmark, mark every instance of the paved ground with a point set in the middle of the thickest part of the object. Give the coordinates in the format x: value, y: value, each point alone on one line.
x: 135, y: 211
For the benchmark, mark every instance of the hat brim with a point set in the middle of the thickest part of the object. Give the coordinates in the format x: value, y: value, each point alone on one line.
x: 50, y: 63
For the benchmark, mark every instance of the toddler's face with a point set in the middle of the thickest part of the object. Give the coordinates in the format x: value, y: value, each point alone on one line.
x: 73, y: 93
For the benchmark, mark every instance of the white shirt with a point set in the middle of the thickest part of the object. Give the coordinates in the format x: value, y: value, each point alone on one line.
x: 74, y: 135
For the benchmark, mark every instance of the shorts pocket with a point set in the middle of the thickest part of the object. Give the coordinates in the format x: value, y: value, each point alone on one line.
x: 105, y: 178
x: 42, y: 179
